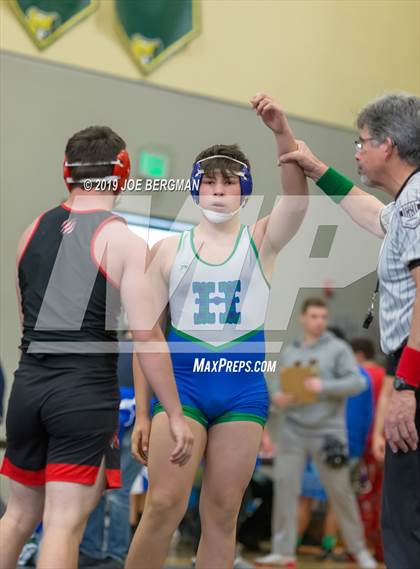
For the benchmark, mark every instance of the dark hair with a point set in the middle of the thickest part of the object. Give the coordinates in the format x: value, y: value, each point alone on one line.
x: 93, y: 144
x: 223, y: 164
x: 397, y: 116
x: 313, y: 301
x: 365, y: 346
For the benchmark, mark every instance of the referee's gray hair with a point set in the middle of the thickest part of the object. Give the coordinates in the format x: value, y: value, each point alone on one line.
x: 397, y: 116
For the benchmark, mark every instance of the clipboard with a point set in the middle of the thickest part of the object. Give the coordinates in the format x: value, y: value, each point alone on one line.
x: 293, y: 382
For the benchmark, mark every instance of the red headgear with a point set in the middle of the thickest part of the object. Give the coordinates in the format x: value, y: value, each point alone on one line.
x: 120, y: 171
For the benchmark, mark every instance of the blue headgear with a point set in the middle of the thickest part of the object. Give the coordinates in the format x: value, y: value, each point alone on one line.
x: 245, y: 178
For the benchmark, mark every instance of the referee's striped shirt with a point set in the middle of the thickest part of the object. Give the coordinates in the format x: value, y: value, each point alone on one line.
x: 400, y: 253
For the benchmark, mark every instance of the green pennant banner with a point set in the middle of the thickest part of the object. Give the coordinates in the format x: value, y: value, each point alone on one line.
x: 155, y: 29
x: 47, y: 20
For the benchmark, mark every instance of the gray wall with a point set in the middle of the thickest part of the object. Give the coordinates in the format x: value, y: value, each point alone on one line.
x: 43, y: 104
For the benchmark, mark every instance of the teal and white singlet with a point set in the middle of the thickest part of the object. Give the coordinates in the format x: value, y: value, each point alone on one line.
x: 216, y: 336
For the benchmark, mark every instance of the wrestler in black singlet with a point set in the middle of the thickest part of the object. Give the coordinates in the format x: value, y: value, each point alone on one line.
x: 63, y: 409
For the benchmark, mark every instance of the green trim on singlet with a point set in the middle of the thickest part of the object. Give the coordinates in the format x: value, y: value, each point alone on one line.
x: 216, y: 348
x: 191, y: 412
x: 238, y: 416
x: 257, y: 254
x: 215, y: 264
x: 181, y: 239
x: 197, y: 415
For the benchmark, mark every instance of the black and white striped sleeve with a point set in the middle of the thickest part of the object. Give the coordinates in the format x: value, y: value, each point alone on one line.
x: 409, y: 226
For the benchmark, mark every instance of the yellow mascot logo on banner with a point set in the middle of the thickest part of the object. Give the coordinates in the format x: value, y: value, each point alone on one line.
x: 144, y: 49
x: 153, y: 31
x: 41, y: 23
x: 46, y: 20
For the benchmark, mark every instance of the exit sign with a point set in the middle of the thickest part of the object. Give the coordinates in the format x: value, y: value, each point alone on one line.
x: 153, y: 165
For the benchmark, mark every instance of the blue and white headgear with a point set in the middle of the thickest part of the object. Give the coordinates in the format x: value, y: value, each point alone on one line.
x: 245, y: 178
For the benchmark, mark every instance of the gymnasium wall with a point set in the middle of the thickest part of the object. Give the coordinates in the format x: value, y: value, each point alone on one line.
x: 324, y: 59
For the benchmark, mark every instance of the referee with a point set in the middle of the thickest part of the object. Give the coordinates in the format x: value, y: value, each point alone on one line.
x: 388, y: 156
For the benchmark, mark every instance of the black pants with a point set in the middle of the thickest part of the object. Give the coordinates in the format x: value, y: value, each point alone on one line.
x: 401, y: 506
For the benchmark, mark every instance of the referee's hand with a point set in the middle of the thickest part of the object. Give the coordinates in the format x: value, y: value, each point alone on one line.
x: 400, y: 427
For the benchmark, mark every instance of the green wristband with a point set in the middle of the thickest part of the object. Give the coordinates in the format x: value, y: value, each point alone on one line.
x: 335, y: 184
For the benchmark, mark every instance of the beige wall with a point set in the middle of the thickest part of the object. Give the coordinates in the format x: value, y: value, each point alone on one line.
x: 323, y: 59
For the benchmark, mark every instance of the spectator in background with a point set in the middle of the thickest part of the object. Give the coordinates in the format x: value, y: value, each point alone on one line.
x: 359, y: 415
x: 370, y: 501
x: 317, y: 429
x: 109, y: 547
x: 359, y: 418
x: 371, y: 468
x: 364, y: 351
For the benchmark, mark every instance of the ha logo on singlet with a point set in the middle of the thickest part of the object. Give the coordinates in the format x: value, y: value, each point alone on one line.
x: 68, y: 226
x: 210, y: 294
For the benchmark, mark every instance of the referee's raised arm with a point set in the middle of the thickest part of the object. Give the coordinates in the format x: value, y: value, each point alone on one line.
x: 362, y: 207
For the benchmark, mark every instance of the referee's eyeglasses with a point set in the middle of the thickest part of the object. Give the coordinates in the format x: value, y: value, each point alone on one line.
x: 359, y: 143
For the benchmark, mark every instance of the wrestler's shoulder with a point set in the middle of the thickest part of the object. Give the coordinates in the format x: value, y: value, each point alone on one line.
x: 168, y: 246
x: 116, y: 229
x: 120, y: 240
